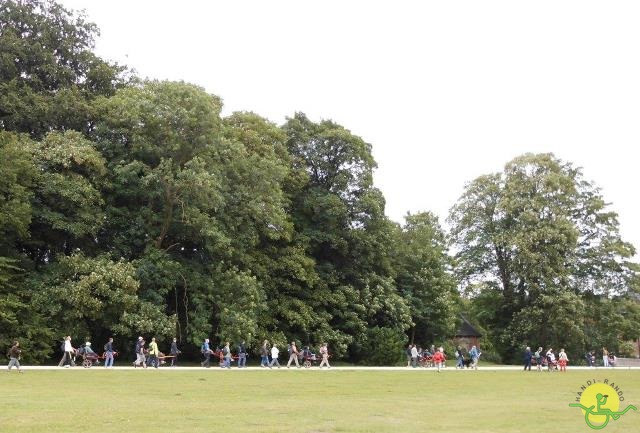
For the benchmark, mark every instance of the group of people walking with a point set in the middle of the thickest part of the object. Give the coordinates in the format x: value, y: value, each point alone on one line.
x: 150, y: 355
x: 270, y: 355
x: 436, y: 357
x: 548, y: 359
x: 609, y: 359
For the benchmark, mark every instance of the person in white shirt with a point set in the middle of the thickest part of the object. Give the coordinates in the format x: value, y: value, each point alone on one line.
x: 274, y: 356
x: 67, y: 358
x: 414, y: 356
x: 551, y: 360
x: 562, y: 360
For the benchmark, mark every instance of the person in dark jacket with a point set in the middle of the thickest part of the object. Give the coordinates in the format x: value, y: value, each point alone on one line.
x: 174, y: 352
x: 141, y: 360
x: 527, y: 359
x: 14, y: 356
x: 264, y: 354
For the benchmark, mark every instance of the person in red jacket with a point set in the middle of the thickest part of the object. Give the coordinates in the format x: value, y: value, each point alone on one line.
x: 439, y: 358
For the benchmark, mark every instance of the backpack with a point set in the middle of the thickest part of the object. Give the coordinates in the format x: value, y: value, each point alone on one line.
x: 202, y: 349
x: 105, y: 347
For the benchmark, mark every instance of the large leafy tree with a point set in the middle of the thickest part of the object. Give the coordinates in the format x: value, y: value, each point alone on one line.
x: 540, y: 236
x: 196, y: 201
x: 48, y: 71
x: 340, y: 215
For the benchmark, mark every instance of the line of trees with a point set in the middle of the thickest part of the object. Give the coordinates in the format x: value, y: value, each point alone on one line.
x: 132, y: 206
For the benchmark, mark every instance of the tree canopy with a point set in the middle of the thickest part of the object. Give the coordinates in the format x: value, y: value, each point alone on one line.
x: 542, y: 240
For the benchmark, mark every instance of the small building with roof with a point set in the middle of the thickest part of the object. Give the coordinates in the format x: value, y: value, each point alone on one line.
x: 466, y: 335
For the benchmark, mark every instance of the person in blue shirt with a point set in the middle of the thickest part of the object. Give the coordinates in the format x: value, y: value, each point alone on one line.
x: 206, y: 352
x: 108, y: 354
x: 474, y: 353
x: 226, y: 356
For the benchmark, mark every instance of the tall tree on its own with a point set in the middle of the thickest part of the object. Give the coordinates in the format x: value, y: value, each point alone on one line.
x: 540, y: 235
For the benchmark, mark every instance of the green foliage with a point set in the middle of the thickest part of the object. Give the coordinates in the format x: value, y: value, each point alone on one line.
x: 539, y: 238
x: 383, y: 346
x: 16, y: 188
x: 94, y: 296
x: 424, y: 278
x: 48, y: 72
x: 339, y: 216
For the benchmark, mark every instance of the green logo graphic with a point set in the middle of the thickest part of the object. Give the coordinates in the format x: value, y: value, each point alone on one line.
x: 600, y: 403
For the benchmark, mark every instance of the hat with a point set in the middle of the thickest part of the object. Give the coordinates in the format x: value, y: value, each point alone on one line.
x: 88, y: 344
x: 140, y: 338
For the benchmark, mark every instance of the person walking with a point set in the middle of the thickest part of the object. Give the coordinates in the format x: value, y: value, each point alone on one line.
x: 324, y: 352
x: 108, y: 353
x: 438, y: 359
x: 408, y: 353
x: 459, y: 358
x: 605, y: 357
x: 242, y: 355
x: 174, y: 352
x: 538, y: 357
x: 206, y: 351
x: 264, y: 354
x: 563, y: 359
x: 154, y: 353
x: 67, y: 358
x: 226, y: 353
x: 551, y: 360
x: 414, y: 356
x: 293, y: 355
x: 474, y: 353
x: 14, y: 356
x: 274, y: 356
x: 527, y: 358
x: 140, y: 358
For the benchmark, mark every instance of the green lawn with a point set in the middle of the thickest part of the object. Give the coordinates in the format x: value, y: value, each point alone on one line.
x: 302, y: 401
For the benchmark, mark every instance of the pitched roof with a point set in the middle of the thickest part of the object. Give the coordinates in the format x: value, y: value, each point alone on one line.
x: 466, y: 329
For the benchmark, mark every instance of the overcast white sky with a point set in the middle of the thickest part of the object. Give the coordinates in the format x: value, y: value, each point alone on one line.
x: 444, y: 90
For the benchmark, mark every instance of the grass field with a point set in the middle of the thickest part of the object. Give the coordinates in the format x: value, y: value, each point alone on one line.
x: 302, y: 401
